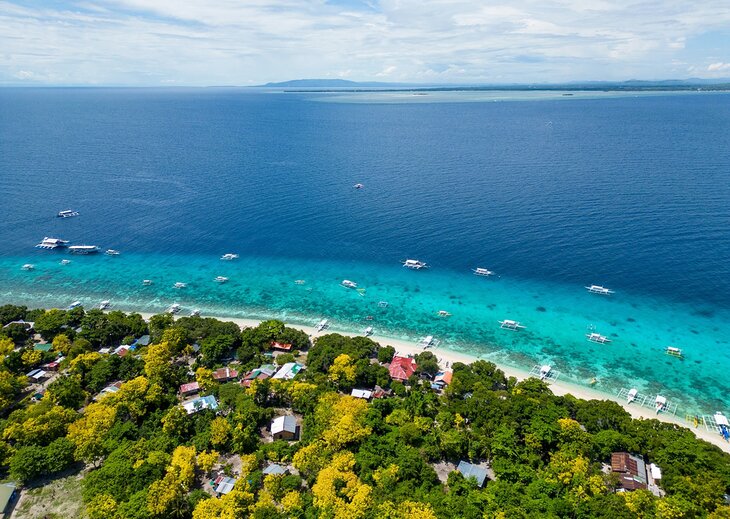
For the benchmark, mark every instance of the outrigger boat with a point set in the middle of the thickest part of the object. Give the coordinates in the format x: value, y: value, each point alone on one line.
x: 220, y: 279
x: 52, y: 243
x: 146, y: 282
x: 112, y: 252
x: 660, y: 404
x: 322, y: 325
x: 65, y: 262
x: 483, y: 272
x: 545, y: 371
x: 229, y: 256
x: 631, y: 395
x: 598, y: 289
x: 722, y: 424
x: 348, y: 284
x: 597, y: 337
x: 68, y: 213
x: 105, y: 304
x: 414, y: 264
x: 368, y: 331
x: 444, y: 313
x: 195, y: 313
x: 358, y: 186
x: 180, y: 285
x: 382, y: 304
x: 428, y: 342
x: 83, y: 249
x: 509, y: 324
x: 299, y: 281
x: 674, y: 352
x: 73, y: 305
x: 28, y: 266
x: 174, y: 308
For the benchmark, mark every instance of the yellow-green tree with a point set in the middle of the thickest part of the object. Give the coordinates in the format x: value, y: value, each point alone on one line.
x: 157, y: 361
x: 6, y: 346
x: 338, y: 492
x: 88, y: 433
x: 204, y: 378
x: 10, y: 386
x: 31, y: 358
x: 102, y: 506
x: 220, y: 431
x: 406, y: 510
x: 342, y: 370
x: 62, y: 344
x: 207, y: 460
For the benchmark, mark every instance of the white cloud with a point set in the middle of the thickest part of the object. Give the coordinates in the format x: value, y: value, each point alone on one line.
x: 719, y: 67
x: 198, y: 42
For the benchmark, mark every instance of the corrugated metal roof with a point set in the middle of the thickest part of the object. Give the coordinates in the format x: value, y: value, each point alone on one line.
x: 469, y: 470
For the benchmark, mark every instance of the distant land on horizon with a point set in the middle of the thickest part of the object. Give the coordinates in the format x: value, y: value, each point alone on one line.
x: 632, y: 84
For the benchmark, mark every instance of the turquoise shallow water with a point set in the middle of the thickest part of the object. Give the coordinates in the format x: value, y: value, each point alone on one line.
x: 629, y: 192
x: 556, y: 316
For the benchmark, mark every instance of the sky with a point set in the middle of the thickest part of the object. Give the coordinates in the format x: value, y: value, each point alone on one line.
x: 249, y: 42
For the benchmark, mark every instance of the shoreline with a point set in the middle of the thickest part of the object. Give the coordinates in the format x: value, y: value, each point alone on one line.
x: 558, y: 387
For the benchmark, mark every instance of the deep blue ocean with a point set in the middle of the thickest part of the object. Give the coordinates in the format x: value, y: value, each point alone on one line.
x: 552, y: 193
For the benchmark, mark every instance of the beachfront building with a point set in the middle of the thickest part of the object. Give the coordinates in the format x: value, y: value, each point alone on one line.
x: 631, y: 471
x: 37, y: 375
x: 281, y: 346
x: 274, y: 469
x: 262, y: 373
x: 189, y: 389
x: 288, y: 371
x: 365, y: 394
x: 284, y: 428
x: 198, y: 404
x: 402, y: 368
x: 225, y: 374
x: 223, y: 485
x: 469, y: 470
x: 441, y: 380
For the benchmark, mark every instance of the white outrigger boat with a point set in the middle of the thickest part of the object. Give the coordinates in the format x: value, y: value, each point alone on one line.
x: 631, y: 395
x: 83, y: 249
x: 220, y: 279
x: 368, y: 331
x: 112, y: 252
x: 229, y: 256
x: 509, y: 324
x: 358, y: 186
x: 179, y: 284
x: 28, y: 266
x: 444, y: 313
x: 68, y: 213
x: 597, y: 338
x: 428, y: 342
x: 674, y: 352
x: 545, y: 371
x: 348, y: 284
x: 105, y: 304
x: 598, y: 289
x: 174, y: 308
x: 65, y: 262
x: 660, y: 404
x: 483, y: 272
x: 73, y: 305
x: 147, y: 282
x: 299, y: 282
x: 415, y: 264
x: 322, y: 325
x: 52, y: 243
x: 195, y: 313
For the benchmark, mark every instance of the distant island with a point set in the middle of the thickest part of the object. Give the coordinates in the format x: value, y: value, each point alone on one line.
x: 340, y: 85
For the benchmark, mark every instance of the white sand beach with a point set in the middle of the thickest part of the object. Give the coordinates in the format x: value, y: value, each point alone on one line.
x: 558, y: 387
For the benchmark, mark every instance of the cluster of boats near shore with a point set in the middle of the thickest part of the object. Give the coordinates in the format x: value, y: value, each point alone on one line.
x: 544, y: 372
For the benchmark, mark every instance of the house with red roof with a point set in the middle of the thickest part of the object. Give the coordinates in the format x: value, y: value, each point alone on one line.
x: 401, y: 368
x: 224, y: 374
x: 281, y: 346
